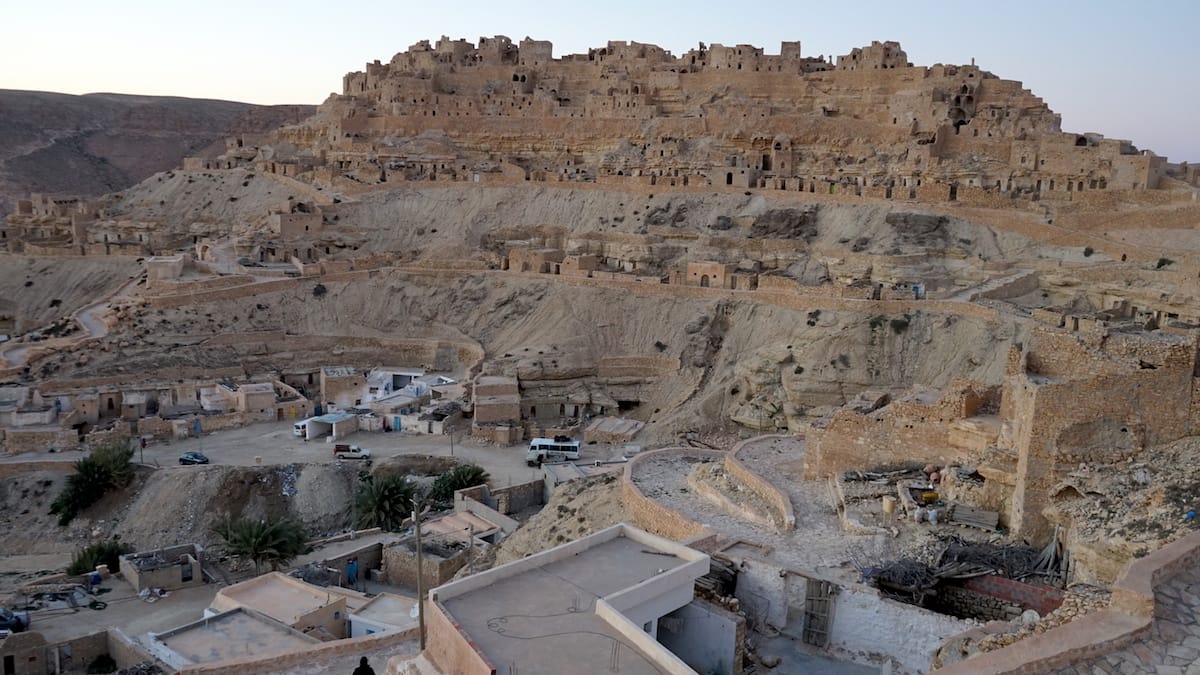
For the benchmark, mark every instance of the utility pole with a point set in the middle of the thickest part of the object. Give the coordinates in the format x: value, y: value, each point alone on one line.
x: 470, y: 546
x: 451, y: 442
x: 420, y: 590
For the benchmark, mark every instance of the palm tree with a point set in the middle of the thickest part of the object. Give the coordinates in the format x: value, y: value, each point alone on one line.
x: 272, y: 540
x: 458, y: 478
x: 384, y: 502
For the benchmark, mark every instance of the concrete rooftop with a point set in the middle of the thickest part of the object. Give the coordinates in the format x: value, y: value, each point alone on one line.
x: 543, y: 621
x: 276, y: 595
x: 231, y: 635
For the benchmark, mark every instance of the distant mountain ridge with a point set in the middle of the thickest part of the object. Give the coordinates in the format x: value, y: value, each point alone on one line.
x: 98, y: 143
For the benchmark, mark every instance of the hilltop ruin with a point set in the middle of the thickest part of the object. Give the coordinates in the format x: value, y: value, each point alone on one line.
x: 780, y: 292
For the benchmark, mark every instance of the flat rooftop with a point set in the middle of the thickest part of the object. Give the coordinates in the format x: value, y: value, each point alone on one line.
x: 277, y: 595
x: 543, y: 620
x: 330, y: 418
x: 459, y: 526
x: 232, y: 635
x: 394, y: 610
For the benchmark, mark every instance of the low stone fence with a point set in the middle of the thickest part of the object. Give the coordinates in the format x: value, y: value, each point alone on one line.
x: 657, y: 518
x: 1129, y: 617
x: 775, y: 497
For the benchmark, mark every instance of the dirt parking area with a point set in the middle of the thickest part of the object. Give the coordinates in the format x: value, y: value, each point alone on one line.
x: 275, y: 443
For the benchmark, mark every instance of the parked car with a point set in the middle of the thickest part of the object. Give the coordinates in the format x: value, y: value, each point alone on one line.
x: 351, y: 452
x: 193, y: 458
x: 13, y: 622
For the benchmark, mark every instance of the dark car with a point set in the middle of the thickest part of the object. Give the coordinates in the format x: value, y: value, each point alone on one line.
x: 13, y: 622
x: 193, y: 458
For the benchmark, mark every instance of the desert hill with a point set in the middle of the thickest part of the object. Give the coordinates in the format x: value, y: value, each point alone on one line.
x: 96, y: 143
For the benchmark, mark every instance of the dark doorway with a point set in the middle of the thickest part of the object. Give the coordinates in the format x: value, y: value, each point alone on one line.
x: 729, y: 179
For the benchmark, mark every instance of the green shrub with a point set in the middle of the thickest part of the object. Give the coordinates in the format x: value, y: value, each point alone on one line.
x: 89, y: 557
x: 273, y: 540
x: 1163, y: 262
x: 84, y: 488
x: 384, y: 502
x: 458, y: 478
x: 108, y: 466
x: 116, y: 458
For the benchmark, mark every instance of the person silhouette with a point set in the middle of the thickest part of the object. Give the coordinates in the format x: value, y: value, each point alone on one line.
x: 363, y: 668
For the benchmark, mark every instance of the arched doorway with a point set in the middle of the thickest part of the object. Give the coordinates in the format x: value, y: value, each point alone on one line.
x: 704, y: 281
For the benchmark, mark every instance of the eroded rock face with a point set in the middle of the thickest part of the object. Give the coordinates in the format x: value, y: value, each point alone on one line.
x: 786, y: 224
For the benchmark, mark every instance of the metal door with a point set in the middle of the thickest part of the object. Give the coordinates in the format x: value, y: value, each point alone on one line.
x: 818, y: 608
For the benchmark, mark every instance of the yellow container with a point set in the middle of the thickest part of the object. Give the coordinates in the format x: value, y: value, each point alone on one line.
x: 889, y: 504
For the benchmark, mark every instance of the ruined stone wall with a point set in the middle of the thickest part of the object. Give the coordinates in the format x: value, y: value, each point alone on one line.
x: 19, y: 441
x: 1109, y: 413
x: 902, y: 432
x: 399, y: 566
x: 501, y: 435
x: 31, y: 656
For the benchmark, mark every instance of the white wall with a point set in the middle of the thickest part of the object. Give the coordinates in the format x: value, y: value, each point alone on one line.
x: 360, y: 626
x: 865, y: 624
x: 653, y: 607
x: 762, y: 592
x: 702, y: 638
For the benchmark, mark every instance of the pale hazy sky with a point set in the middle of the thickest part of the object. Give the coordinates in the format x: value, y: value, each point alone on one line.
x: 1125, y: 68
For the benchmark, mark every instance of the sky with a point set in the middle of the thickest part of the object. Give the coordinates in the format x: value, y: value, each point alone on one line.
x: 1124, y: 69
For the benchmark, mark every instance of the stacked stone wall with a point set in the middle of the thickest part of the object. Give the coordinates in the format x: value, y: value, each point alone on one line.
x: 20, y: 441
x: 399, y: 566
x: 779, y: 501
x: 960, y: 601
x: 652, y: 516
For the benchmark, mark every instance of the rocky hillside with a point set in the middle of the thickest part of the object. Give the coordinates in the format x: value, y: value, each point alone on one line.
x: 97, y: 143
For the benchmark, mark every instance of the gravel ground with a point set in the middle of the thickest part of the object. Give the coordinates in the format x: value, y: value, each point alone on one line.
x: 818, y: 543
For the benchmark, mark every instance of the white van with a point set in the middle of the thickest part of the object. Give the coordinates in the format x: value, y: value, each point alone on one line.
x: 557, y: 449
x: 300, y: 429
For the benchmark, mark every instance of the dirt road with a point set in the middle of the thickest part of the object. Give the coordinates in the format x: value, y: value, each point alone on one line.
x: 275, y: 443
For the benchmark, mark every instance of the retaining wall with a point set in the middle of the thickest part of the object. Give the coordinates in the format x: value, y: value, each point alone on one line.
x: 775, y: 497
x: 657, y: 518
